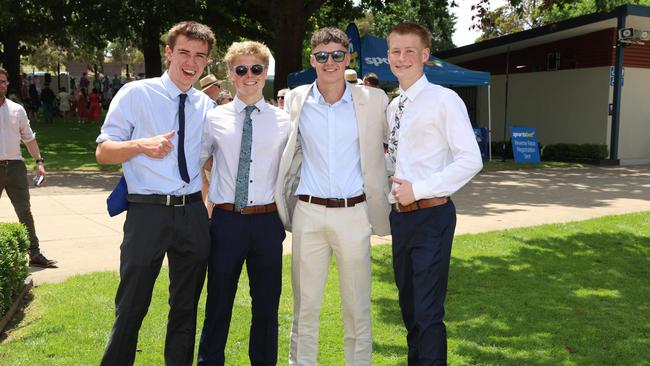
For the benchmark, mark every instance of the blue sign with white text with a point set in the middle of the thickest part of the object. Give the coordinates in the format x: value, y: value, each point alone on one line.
x: 524, y: 144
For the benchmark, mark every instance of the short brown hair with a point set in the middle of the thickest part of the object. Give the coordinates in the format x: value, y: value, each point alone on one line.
x: 329, y: 34
x: 4, y: 72
x: 412, y: 28
x: 247, y: 48
x: 193, y: 31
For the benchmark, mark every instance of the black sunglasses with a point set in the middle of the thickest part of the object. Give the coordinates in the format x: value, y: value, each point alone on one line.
x: 280, y: 97
x: 322, y: 56
x: 256, y: 69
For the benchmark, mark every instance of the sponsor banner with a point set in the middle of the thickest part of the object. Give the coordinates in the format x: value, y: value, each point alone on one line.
x: 524, y: 144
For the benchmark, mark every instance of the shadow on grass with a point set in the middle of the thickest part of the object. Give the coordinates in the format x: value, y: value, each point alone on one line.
x: 580, y: 298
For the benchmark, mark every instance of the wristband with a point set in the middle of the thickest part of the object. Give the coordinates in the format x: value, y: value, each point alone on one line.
x: 39, y: 161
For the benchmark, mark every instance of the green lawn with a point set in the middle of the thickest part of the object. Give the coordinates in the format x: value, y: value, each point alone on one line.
x: 569, y: 294
x: 67, y: 146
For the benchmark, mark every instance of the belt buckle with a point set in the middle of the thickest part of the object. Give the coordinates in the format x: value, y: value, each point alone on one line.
x: 178, y: 205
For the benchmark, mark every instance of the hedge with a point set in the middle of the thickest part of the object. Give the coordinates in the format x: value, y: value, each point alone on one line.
x: 575, y: 151
x: 558, y: 152
x: 14, y: 244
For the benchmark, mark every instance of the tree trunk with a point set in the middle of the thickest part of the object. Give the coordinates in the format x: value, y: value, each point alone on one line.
x: 151, y: 47
x: 290, y: 23
x: 12, y: 58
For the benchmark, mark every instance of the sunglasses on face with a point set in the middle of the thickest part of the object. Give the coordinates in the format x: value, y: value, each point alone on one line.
x: 322, y: 56
x: 256, y: 69
x: 280, y: 97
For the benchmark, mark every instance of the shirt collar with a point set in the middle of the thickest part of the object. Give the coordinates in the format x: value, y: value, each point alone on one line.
x: 415, y: 89
x: 173, y: 90
x: 347, y: 94
x: 239, y: 105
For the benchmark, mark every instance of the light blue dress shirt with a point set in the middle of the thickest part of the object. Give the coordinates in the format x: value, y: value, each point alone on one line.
x: 148, y: 108
x: 331, y: 165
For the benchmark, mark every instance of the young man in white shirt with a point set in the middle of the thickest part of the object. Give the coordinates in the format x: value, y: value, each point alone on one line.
x: 245, y: 139
x: 433, y: 151
x: 153, y: 127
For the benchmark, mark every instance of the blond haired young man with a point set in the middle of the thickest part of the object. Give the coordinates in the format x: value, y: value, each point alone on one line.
x: 245, y: 139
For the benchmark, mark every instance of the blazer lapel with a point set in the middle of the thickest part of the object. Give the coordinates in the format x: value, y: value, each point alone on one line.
x: 360, y: 111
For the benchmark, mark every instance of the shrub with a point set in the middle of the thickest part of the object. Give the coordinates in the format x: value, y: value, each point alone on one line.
x: 575, y: 152
x: 14, y: 244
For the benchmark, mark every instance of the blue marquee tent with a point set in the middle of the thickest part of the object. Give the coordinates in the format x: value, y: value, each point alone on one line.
x: 371, y: 56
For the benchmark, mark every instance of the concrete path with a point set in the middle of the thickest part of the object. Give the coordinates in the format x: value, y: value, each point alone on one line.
x: 74, y: 228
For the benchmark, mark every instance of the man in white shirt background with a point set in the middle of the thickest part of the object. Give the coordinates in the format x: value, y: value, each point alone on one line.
x: 433, y: 151
x: 245, y: 138
x: 14, y: 127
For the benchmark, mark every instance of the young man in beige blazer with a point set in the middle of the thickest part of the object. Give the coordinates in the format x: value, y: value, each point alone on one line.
x: 330, y: 193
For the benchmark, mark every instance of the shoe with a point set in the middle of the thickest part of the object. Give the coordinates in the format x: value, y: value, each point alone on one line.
x: 39, y: 260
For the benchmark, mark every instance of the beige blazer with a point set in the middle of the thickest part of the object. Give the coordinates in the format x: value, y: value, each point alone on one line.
x: 370, y: 108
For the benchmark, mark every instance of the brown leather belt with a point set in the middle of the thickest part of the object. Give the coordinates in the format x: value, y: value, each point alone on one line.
x: 424, y: 203
x: 248, y: 210
x: 333, y: 202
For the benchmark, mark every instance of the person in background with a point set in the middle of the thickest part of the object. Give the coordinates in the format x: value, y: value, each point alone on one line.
x: 370, y: 79
x: 48, y: 98
x: 280, y: 97
x: 14, y: 127
x: 95, y: 109
x: 224, y: 97
x: 211, y: 86
x: 64, y: 103
x: 351, y: 77
x: 82, y: 106
x: 34, y: 102
x: 433, y: 153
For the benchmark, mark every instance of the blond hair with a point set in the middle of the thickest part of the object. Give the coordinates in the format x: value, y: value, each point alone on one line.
x: 247, y: 48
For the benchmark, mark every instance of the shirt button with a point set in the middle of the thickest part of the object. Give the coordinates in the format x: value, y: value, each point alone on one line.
x: 250, y: 181
x: 251, y: 201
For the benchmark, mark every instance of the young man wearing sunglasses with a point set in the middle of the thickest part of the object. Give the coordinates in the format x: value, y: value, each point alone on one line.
x: 432, y: 147
x: 153, y: 127
x: 245, y: 139
x: 331, y: 193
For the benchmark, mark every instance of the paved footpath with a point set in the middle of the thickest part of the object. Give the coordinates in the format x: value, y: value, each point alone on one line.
x: 74, y: 228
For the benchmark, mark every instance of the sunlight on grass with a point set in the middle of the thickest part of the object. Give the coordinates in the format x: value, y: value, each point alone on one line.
x: 516, y: 297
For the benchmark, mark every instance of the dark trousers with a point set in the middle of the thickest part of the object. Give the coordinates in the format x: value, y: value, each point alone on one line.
x: 150, y: 231
x: 13, y: 178
x: 257, y: 240
x: 421, y: 254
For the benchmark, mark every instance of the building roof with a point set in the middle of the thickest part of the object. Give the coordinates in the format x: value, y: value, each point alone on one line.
x: 636, y: 17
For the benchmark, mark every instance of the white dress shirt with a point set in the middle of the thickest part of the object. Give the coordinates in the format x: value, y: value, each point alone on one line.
x: 147, y: 108
x: 14, y: 127
x: 331, y: 163
x: 437, y: 151
x: 222, y: 139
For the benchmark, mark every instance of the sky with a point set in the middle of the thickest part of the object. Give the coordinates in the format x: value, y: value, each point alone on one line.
x: 463, y: 36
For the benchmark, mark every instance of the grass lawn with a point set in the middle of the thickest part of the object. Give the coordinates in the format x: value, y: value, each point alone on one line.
x: 67, y: 146
x: 567, y: 294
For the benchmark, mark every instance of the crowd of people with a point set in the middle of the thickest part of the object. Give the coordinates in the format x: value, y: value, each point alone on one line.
x: 82, y: 103
x: 334, y: 163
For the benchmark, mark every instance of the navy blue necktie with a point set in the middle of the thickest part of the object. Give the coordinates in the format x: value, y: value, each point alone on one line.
x: 182, y: 164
